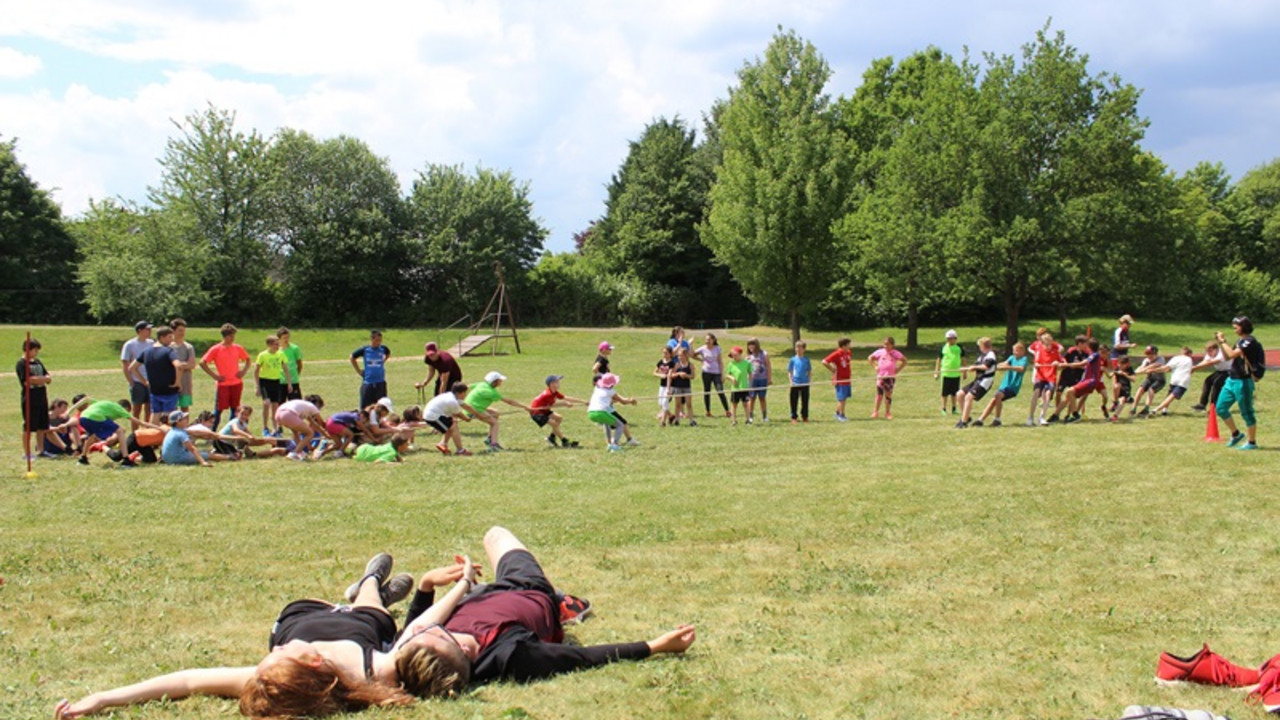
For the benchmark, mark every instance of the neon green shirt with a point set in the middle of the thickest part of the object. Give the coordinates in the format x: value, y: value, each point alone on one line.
x: 271, y: 365
x: 951, y: 356
x: 740, y: 371
x: 104, y: 410
x: 373, y: 453
x: 292, y: 356
x: 482, y: 395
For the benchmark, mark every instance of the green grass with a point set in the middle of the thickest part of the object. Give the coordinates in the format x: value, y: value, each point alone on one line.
x: 871, y: 569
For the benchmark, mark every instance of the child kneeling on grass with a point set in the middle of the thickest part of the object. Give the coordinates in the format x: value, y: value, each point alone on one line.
x: 600, y: 411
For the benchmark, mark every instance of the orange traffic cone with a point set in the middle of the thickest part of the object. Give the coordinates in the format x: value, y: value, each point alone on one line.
x: 1211, y: 426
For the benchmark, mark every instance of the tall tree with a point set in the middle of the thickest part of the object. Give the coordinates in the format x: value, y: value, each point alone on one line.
x: 336, y: 218
x: 464, y: 224
x: 1256, y: 200
x: 140, y: 263
x: 37, y: 255
x: 910, y: 127
x: 779, y: 186
x: 1057, y: 146
x: 649, y: 230
x: 214, y: 174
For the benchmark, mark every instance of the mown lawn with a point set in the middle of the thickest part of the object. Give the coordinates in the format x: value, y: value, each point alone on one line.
x: 869, y: 569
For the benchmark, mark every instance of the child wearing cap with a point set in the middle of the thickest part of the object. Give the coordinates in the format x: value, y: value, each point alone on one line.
x: 600, y: 411
x: 739, y: 371
x: 840, y: 364
x: 1154, y: 383
x: 442, y: 367
x: 601, y: 366
x: 947, y: 365
x: 540, y: 410
x: 482, y: 395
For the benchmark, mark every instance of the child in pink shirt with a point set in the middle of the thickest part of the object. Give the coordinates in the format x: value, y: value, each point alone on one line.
x: 888, y: 362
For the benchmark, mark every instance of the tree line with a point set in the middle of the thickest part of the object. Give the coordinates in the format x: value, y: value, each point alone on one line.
x: 939, y: 190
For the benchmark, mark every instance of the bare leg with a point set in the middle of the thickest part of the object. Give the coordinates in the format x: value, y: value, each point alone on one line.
x: 368, y: 595
x: 498, y: 542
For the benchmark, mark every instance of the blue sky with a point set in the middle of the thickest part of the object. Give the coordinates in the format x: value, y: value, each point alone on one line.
x: 553, y: 91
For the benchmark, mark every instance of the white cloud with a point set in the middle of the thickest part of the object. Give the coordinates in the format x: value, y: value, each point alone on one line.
x: 15, y: 65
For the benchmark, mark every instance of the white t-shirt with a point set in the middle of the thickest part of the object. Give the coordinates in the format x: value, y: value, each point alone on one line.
x: 710, y: 355
x: 1148, y: 362
x: 133, y: 350
x: 601, y: 399
x: 1223, y: 364
x: 1180, y: 370
x: 444, y: 404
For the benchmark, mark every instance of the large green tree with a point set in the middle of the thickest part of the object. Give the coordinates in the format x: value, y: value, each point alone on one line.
x: 1056, y: 148
x: 141, y: 263
x: 335, y: 223
x: 37, y: 255
x: 214, y: 174
x: 649, y: 230
x: 465, y: 225
x: 910, y: 126
x: 780, y: 184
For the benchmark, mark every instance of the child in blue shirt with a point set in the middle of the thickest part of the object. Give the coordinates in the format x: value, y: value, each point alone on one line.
x: 798, y: 371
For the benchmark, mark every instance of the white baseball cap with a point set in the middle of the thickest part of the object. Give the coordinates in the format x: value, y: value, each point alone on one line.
x: 386, y: 403
x: 494, y: 376
x: 951, y: 334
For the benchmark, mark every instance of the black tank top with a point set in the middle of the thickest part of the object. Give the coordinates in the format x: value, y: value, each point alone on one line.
x: 314, y: 621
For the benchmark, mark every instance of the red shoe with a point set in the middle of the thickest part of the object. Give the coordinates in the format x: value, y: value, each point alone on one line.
x: 574, y: 610
x: 1207, y: 668
x: 97, y: 447
x: 1268, y: 690
x: 443, y: 448
x: 463, y: 452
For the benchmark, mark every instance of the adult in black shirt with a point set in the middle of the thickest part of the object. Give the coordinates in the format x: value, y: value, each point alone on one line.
x: 162, y: 371
x: 1247, y: 359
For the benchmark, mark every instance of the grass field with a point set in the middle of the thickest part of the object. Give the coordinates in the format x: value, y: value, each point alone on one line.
x: 871, y: 569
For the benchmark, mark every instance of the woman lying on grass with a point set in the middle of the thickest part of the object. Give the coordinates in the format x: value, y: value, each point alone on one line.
x: 325, y: 659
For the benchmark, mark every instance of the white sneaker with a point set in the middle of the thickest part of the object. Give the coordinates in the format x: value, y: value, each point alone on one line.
x: 1043, y: 422
x: 615, y: 448
x: 633, y: 443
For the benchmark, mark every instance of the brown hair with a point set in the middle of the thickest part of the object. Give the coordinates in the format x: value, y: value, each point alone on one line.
x: 428, y: 673
x: 228, y: 330
x: 290, y: 688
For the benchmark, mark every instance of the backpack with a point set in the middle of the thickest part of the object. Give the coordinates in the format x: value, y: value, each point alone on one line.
x: 1260, y: 370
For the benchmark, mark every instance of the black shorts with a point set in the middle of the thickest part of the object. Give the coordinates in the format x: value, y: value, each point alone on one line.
x: 222, y: 447
x: 950, y: 386
x: 976, y: 389
x: 294, y: 394
x: 441, y: 424
x: 314, y: 620
x: 1153, y: 383
x: 540, y: 419
x: 371, y: 393
x: 1010, y: 393
x: 272, y: 390
x: 38, y: 417
x: 740, y: 396
x: 139, y: 394
x: 518, y: 570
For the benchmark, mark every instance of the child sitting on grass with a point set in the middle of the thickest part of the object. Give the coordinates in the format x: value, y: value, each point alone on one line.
x: 384, y: 453
x: 600, y: 411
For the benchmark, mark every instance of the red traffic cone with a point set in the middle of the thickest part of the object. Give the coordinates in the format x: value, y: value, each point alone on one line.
x: 1211, y: 426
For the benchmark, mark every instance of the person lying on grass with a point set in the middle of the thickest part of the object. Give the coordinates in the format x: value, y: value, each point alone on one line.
x: 325, y: 658
x: 509, y: 629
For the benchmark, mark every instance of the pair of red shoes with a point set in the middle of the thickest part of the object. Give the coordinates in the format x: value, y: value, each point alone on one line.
x: 1209, y: 668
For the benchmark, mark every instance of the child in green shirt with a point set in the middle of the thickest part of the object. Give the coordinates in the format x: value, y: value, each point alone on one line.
x: 385, y: 453
x: 739, y: 371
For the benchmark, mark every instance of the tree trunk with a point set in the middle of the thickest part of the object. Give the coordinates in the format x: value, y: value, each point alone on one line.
x: 1062, y: 318
x: 795, y: 325
x: 913, y: 325
x: 1011, y: 309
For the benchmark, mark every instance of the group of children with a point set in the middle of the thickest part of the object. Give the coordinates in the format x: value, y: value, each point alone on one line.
x: 159, y: 374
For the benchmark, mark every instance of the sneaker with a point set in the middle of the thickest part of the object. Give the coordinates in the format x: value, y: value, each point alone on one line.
x: 379, y: 566
x: 977, y: 423
x: 1053, y: 419
x: 279, y: 433
x: 574, y: 610
x: 48, y: 455
x: 996, y: 423
x: 615, y: 448
x: 83, y: 460
x: 1030, y: 423
x: 1248, y: 446
x: 1164, y: 413
x: 295, y: 456
x: 1236, y: 439
x: 750, y: 421
x: 266, y: 433
x: 1198, y: 408
x: 552, y: 439
x: 961, y: 425
x: 494, y: 446
x: 632, y: 442
x: 396, y: 589
x: 1077, y: 416
x: 1071, y: 419
x: 1043, y: 422
x: 764, y: 419
x: 954, y: 411
x: 443, y: 448
x: 488, y: 442
x: 693, y: 423
x: 944, y: 412
x: 1206, y: 668
x: 570, y: 443
x: 841, y: 418
x: 1268, y: 690
x: 97, y: 447
x: 463, y: 452
x: 805, y: 420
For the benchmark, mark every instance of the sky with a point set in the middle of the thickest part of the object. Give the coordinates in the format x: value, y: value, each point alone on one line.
x: 554, y: 91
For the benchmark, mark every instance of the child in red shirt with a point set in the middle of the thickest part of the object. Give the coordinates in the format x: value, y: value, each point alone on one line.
x: 542, y: 415
x: 840, y: 362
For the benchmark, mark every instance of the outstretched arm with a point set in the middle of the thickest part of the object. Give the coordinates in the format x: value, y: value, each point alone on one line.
x: 423, y: 611
x: 222, y: 682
